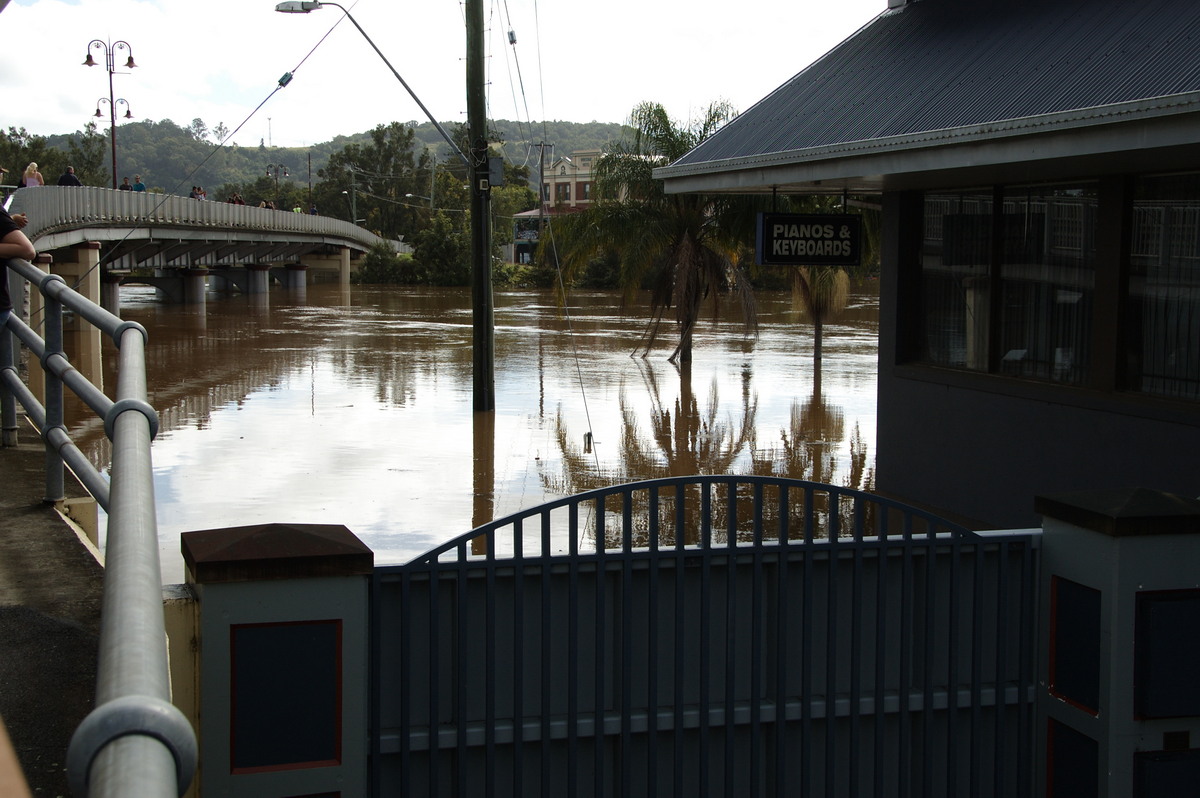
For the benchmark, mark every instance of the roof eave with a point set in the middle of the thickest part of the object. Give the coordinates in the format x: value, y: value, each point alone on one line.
x: 866, y: 166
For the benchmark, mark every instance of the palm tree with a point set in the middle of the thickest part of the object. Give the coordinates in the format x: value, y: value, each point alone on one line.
x: 683, y: 245
x: 824, y: 292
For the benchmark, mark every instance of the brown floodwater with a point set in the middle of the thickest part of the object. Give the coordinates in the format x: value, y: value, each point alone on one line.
x: 354, y: 407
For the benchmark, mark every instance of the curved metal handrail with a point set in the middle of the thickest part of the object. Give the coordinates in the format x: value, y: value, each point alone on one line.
x: 859, y: 516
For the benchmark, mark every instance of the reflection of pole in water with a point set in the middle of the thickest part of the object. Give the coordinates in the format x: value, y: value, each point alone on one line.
x: 483, y: 504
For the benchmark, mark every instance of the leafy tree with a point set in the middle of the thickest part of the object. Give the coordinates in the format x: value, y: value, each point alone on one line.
x: 375, y: 176
x: 220, y: 132
x: 19, y: 147
x: 383, y: 265
x: 684, y: 246
x: 198, y: 129
x: 443, y: 250
x: 87, y: 152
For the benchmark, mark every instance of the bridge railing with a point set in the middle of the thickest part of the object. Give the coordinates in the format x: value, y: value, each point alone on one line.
x: 135, y: 742
x: 53, y: 209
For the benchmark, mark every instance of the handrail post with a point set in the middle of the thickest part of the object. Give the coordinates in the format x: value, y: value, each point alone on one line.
x: 55, y: 477
x: 8, y: 402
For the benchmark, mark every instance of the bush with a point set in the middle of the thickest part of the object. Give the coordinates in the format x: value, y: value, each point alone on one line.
x: 384, y: 265
x: 442, y: 253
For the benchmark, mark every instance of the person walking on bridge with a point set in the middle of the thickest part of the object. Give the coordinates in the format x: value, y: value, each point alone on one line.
x: 31, y: 176
x: 138, y: 185
x: 68, y: 178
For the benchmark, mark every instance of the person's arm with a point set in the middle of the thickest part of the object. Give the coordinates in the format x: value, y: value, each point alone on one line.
x: 16, y: 245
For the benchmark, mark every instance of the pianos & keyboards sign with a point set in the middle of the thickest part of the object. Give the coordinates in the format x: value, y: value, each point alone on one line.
x: 788, y: 239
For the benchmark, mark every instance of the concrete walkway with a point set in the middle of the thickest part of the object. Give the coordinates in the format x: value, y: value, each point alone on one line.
x: 50, y: 596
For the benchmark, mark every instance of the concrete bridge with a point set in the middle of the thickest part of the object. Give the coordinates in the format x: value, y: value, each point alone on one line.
x: 184, y: 246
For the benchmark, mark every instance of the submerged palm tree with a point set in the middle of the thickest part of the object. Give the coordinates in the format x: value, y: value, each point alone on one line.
x: 824, y: 292
x: 684, y: 246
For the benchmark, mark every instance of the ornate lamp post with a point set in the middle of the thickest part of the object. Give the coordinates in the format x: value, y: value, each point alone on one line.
x: 110, y: 51
x: 273, y: 170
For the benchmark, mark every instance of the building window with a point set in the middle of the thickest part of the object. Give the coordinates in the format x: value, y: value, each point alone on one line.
x: 1047, y: 282
x: 1163, y: 302
x: 956, y: 279
x: 584, y: 192
x: 1009, y: 288
x: 545, y: 192
x: 562, y: 192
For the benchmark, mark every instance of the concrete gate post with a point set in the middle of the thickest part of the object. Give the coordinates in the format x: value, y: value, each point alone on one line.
x: 284, y: 654
x: 1119, y: 651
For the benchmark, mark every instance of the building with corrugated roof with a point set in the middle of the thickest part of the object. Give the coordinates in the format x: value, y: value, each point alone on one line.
x: 1038, y: 163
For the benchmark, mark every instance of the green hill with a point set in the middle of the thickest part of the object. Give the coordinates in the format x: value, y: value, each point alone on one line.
x: 173, y: 158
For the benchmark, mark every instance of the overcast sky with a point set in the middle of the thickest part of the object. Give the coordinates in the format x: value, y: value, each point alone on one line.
x: 218, y: 60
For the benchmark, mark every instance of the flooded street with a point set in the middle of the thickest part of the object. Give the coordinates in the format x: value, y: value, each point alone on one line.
x: 354, y: 407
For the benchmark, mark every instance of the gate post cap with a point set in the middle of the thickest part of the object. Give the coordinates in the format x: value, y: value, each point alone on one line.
x: 1123, y: 512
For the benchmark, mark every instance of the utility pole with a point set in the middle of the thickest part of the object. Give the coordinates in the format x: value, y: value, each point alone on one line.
x: 483, y: 311
x: 541, y: 190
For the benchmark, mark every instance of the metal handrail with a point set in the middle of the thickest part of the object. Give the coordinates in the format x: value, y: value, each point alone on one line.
x: 74, y: 209
x: 135, y: 742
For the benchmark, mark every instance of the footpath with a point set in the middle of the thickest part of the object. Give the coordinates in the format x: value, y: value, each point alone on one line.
x: 50, y: 597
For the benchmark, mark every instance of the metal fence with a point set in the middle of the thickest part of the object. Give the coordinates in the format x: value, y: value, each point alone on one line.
x: 714, y: 635
x: 135, y: 742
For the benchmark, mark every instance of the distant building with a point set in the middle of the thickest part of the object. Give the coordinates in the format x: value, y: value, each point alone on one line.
x: 567, y: 182
x: 1039, y: 169
x: 566, y: 188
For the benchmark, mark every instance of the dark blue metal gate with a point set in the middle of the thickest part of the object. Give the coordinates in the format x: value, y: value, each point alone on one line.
x: 716, y: 635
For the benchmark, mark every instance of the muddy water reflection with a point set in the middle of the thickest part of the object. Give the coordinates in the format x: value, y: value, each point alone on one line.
x: 355, y: 408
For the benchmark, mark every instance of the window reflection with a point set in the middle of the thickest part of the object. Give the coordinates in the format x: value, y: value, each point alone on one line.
x: 1038, y: 253
x: 955, y: 272
x: 1048, y: 279
x: 1163, y: 305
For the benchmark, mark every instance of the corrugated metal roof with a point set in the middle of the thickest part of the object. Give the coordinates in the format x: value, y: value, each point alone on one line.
x: 942, y: 64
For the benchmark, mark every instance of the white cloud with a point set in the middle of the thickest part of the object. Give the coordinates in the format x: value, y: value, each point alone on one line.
x: 218, y: 59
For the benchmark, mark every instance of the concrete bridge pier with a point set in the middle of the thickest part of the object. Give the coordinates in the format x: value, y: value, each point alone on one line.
x: 294, y: 276
x: 80, y: 267
x: 195, y: 285
x: 258, y: 278
x: 110, y: 292
x: 340, y: 261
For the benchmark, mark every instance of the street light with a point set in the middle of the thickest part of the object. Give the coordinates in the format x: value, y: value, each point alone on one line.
x: 277, y: 167
x: 118, y: 101
x: 353, y: 206
x: 305, y: 6
x: 483, y: 312
x: 420, y: 196
x: 110, y: 51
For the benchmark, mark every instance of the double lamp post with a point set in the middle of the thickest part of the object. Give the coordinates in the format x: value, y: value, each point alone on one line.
x: 110, y: 51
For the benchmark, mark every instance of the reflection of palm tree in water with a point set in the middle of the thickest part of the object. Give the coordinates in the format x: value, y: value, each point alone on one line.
x: 684, y: 440
x: 808, y: 450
